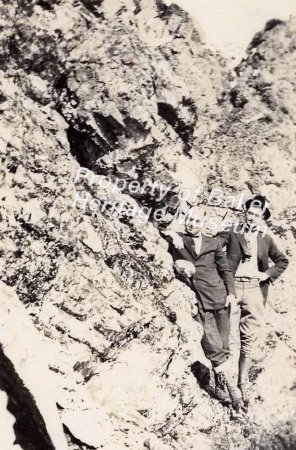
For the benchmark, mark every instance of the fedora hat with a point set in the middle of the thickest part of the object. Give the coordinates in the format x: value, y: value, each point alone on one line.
x: 258, y: 201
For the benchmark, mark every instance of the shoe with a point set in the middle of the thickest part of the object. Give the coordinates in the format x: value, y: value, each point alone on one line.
x: 221, y: 392
x: 245, y: 393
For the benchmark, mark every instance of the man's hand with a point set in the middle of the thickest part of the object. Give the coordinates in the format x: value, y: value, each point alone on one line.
x: 230, y: 299
x: 185, y: 267
x: 177, y: 240
x: 263, y: 276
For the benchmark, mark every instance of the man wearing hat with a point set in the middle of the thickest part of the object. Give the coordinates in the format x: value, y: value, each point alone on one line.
x: 248, y: 252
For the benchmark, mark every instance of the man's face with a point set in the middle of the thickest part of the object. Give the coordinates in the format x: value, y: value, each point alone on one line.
x: 255, y: 217
x: 194, y: 225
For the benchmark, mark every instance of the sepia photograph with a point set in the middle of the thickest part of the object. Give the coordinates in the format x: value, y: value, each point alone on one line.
x: 148, y: 224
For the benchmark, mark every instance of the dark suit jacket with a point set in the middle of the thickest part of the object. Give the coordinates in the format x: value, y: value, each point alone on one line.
x: 213, y: 279
x: 235, y: 250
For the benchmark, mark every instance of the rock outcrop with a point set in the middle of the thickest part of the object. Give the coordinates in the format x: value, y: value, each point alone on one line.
x: 31, y: 420
x: 128, y: 90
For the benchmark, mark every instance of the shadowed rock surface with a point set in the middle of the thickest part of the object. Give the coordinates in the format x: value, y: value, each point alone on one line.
x: 30, y: 429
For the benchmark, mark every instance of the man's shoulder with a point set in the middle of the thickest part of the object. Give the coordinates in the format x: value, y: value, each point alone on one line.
x: 229, y: 231
x: 266, y: 238
x: 166, y: 233
x: 187, y: 239
x: 212, y: 241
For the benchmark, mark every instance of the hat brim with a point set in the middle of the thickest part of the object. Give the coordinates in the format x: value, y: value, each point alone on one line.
x: 265, y: 211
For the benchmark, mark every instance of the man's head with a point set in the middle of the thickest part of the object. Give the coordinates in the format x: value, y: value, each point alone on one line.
x: 256, y: 211
x: 195, y: 221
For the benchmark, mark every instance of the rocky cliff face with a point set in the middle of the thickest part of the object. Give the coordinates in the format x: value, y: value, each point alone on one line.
x: 128, y: 90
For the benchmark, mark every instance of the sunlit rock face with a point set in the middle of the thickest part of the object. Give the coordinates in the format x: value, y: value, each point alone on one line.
x: 128, y: 90
x: 30, y: 418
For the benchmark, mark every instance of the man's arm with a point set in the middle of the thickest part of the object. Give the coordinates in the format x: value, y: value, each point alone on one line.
x: 224, y: 269
x: 223, y: 237
x: 174, y: 237
x: 175, y: 253
x: 169, y: 236
x: 278, y: 258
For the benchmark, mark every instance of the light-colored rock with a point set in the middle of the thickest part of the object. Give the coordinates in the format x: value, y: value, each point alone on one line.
x: 22, y: 345
x: 128, y: 89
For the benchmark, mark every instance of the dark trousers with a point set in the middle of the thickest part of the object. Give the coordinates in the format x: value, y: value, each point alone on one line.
x: 215, y: 339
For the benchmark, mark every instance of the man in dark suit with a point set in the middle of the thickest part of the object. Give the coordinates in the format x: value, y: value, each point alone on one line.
x: 204, y: 266
x: 248, y: 252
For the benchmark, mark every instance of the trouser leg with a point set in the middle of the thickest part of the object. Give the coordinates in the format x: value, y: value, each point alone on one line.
x: 215, y: 343
x: 243, y: 368
x: 234, y: 336
x: 235, y: 316
x: 223, y: 325
x: 212, y: 341
x: 252, y: 299
x: 252, y: 319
